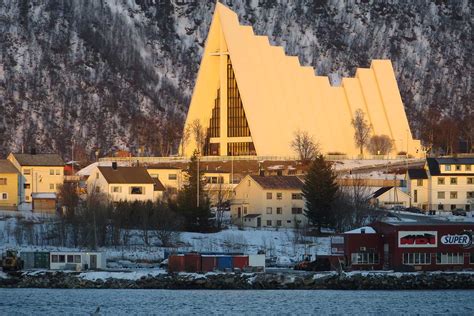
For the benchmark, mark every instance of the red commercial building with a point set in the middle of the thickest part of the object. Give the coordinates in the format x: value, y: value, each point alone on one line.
x: 406, y: 246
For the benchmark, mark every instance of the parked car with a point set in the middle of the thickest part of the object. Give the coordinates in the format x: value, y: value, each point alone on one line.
x: 415, y: 210
x: 458, y: 212
x: 397, y: 208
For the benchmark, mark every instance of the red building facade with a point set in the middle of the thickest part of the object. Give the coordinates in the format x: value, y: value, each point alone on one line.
x: 417, y: 246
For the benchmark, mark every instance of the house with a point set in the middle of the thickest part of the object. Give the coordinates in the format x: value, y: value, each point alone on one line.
x: 443, y: 184
x: 9, y: 186
x: 170, y: 177
x: 244, y: 82
x: 388, y: 197
x: 40, y: 173
x: 268, y: 201
x: 124, y: 183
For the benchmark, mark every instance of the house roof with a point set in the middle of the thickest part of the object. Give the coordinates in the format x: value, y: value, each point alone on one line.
x: 39, y: 159
x: 417, y: 174
x: 456, y: 161
x: 7, y: 167
x: 435, y: 170
x: 132, y: 175
x: 158, y: 186
x: 278, y: 182
x: 381, y: 191
x: 252, y: 216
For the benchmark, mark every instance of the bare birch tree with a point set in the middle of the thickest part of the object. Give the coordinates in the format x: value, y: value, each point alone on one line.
x: 362, y: 130
x: 304, y: 146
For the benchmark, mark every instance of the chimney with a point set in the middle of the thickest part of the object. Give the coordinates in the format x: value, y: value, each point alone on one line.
x: 114, y: 165
x: 262, y: 172
x: 362, y: 231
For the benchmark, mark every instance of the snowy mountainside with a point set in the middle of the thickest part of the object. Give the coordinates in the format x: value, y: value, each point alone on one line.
x: 108, y: 72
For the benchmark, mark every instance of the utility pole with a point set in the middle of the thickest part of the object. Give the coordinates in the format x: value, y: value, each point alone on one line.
x: 197, y: 180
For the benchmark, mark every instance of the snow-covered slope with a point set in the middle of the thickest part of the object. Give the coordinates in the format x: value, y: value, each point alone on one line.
x: 106, y: 72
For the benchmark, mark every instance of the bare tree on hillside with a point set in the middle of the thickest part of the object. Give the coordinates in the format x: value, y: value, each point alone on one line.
x: 185, y: 139
x: 304, y: 146
x: 199, y: 134
x: 223, y: 197
x: 380, y: 145
x: 362, y: 130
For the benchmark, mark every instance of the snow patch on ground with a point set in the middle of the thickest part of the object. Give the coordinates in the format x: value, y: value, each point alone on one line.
x: 135, y: 275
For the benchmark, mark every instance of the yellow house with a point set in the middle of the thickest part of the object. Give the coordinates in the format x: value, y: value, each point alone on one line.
x: 268, y: 201
x: 9, y: 186
x: 40, y: 173
x: 124, y: 184
x: 170, y: 177
x: 250, y: 98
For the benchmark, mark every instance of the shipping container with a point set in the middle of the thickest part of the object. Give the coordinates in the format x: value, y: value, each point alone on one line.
x: 176, y: 263
x: 257, y: 261
x: 35, y: 260
x: 224, y: 262
x: 240, y: 262
x: 208, y: 263
x: 192, y: 262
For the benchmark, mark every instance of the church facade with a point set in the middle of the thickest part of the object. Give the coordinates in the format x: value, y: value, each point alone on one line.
x: 250, y: 99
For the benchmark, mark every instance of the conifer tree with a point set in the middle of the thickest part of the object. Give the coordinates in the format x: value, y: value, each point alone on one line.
x: 319, y: 191
x: 196, y: 216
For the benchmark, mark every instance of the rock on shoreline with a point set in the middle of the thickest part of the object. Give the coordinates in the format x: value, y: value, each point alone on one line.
x: 241, y: 281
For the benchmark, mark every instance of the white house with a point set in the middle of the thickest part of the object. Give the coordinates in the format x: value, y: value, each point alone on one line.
x: 388, y: 197
x: 443, y: 184
x: 125, y: 183
x: 268, y: 201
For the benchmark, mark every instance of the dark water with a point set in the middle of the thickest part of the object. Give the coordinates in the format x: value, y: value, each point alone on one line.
x: 191, y: 302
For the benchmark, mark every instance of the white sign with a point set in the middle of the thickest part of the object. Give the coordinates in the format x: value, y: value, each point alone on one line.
x: 417, y: 239
x: 463, y: 240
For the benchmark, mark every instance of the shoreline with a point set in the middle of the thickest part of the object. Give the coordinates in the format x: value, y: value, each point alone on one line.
x: 364, y: 280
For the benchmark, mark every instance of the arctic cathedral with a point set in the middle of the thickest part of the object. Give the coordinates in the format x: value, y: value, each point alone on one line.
x: 250, y: 99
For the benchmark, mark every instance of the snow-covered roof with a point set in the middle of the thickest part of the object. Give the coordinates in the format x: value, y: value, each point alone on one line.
x: 44, y: 195
x: 367, y: 230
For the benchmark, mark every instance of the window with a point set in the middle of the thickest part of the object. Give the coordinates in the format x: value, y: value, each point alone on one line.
x: 449, y: 258
x: 62, y: 258
x: 54, y: 258
x: 245, y: 209
x: 440, y: 195
x: 248, y: 182
x: 470, y: 195
x: 70, y: 258
x: 453, y: 180
x: 279, y: 196
x: 27, y: 198
x: 58, y: 172
x: 416, y: 258
x: 453, y: 195
x: 172, y: 176
x: 269, y: 195
x: 447, y: 168
x: 415, y: 196
x: 440, y: 180
x: 57, y: 186
x: 27, y: 186
x: 97, y: 175
x: 470, y: 180
x: 51, y: 172
x: 97, y: 189
x: 471, y: 258
x: 279, y: 210
x: 51, y: 186
x: 278, y: 223
x: 73, y: 258
x: 296, y: 210
x: 458, y: 167
x: 77, y: 259
x: 155, y: 176
x: 3, y: 181
x: 116, y: 189
x: 296, y: 196
x: 137, y: 190
x: 269, y: 210
x: 440, y: 207
x: 453, y: 207
x: 26, y: 172
x: 419, y: 182
x: 4, y: 196
x: 288, y: 221
x: 365, y: 258
x: 468, y: 167
x: 269, y: 223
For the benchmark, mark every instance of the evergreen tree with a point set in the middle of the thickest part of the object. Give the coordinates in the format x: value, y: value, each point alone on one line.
x: 196, y: 216
x: 319, y: 191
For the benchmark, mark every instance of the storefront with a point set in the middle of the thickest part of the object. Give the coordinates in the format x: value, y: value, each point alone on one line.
x: 405, y: 246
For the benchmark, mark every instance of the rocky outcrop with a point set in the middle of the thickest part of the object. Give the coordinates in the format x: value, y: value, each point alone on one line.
x: 307, y: 281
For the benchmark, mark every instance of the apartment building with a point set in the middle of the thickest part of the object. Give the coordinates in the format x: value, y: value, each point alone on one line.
x: 444, y: 184
x: 9, y: 186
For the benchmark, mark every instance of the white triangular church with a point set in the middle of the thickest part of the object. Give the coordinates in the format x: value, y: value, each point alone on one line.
x: 250, y: 99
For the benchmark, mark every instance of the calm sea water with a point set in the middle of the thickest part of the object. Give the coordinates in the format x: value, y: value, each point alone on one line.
x: 190, y: 302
